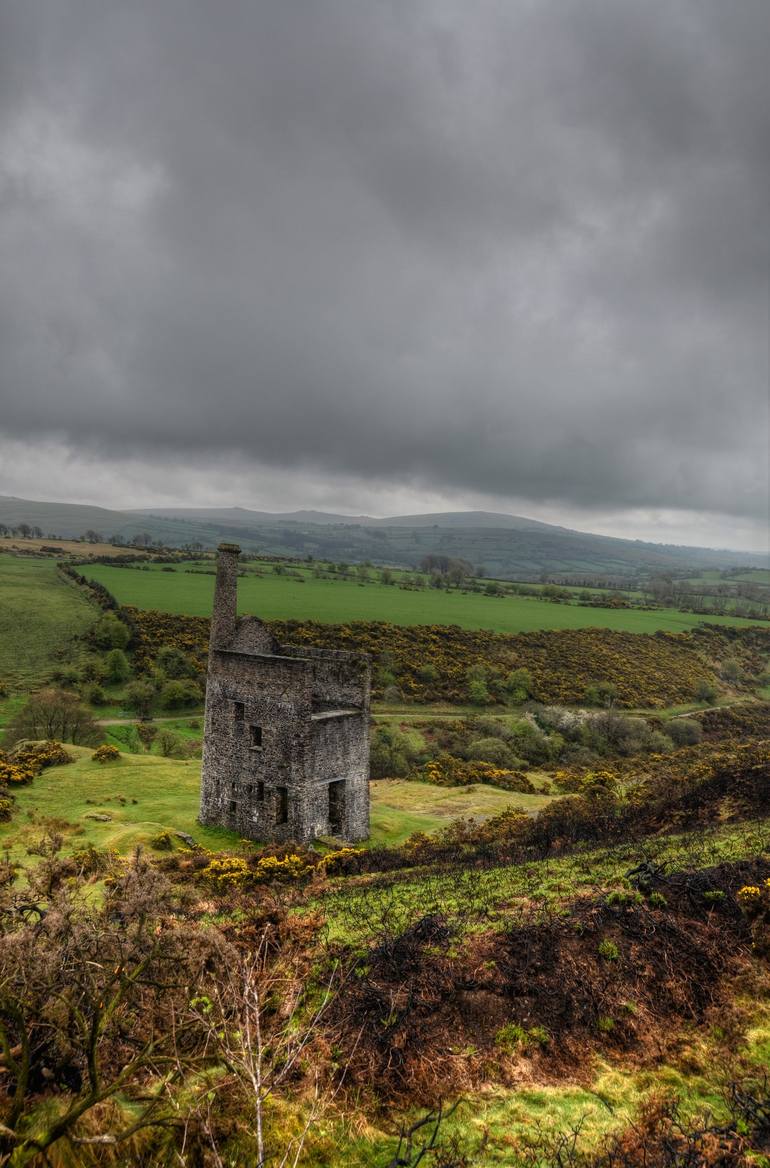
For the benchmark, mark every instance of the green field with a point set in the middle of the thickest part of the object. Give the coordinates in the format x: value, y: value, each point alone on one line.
x: 340, y: 601
x: 40, y: 613
x: 144, y: 794
x: 759, y: 576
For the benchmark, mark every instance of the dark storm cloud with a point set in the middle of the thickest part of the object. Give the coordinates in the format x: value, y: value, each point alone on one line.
x: 512, y: 248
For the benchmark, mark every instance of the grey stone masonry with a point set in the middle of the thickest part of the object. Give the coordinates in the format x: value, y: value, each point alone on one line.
x: 286, y: 744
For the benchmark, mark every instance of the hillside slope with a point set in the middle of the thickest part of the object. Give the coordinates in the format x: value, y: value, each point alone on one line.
x: 505, y: 546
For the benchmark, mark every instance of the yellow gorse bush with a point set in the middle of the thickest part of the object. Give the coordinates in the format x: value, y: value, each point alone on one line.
x: 290, y: 867
x: 227, y: 872
x: 105, y: 753
x: 450, y: 771
x: 29, y: 759
x: 13, y: 774
x: 237, y: 872
x: 651, y: 669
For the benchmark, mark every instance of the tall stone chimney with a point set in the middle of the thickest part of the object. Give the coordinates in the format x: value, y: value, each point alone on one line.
x: 223, y: 616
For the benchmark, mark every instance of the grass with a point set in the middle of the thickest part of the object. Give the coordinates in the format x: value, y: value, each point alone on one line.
x: 340, y: 601
x: 41, y: 613
x: 499, y: 1122
x: 144, y: 794
x: 490, y: 895
x: 400, y: 807
x: 141, y: 794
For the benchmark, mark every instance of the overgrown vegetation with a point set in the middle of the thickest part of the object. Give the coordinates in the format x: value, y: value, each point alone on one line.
x: 429, y: 663
x: 564, y: 914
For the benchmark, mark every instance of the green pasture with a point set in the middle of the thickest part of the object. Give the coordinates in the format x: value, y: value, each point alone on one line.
x: 759, y: 576
x: 41, y: 614
x: 142, y: 795
x: 340, y: 601
x: 400, y: 807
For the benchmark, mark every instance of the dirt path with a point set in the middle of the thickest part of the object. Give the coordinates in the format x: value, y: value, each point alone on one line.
x: 415, y: 715
x: 133, y: 721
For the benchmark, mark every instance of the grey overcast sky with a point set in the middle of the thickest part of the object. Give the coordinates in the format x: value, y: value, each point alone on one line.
x: 390, y: 255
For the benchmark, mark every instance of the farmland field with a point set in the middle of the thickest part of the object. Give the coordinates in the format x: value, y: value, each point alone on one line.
x: 275, y: 597
x: 40, y: 613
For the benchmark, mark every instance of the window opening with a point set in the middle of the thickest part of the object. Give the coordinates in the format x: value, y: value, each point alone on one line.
x: 337, y: 805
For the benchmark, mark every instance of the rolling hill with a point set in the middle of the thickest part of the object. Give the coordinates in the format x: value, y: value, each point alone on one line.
x: 506, y: 546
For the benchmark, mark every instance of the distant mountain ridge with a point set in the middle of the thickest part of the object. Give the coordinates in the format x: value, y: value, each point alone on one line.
x: 242, y: 516
x: 502, y: 545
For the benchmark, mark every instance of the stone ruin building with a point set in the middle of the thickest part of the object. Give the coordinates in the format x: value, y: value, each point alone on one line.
x: 286, y: 744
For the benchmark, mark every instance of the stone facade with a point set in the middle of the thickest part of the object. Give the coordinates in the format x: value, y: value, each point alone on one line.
x: 286, y: 745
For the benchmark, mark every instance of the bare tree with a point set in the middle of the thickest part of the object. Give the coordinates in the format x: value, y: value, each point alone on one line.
x: 262, y: 1049
x: 53, y: 714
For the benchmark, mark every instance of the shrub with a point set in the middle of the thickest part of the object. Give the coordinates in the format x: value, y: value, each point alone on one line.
x: 140, y: 697
x: 94, y: 694
x: 174, y: 663
x: 91, y: 861
x: 169, y: 745
x: 147, y: 733
x: 684, y: 731
x: 227, y: 873
x: 600, y: 693
x: 530, y: 743
x: 176, y: 694
x: 519, y: 685
x: 654, y: 670
x: 342, y: 862
x: 492, y: 750
x: 705, y: 692
x: 39, y: 755
x: 92, y: 670
x: 29, y: 759
x: 15, y: 774
x: 110, y: 632
x: 105, y: 753
x: 448, y: 771
x: 608, y: 950
x: 116, y: 666
x: 478, y: 690
x: 731, y: 671
x: 289, y: 867
x: 392, y: 753
x: 162, y: 842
